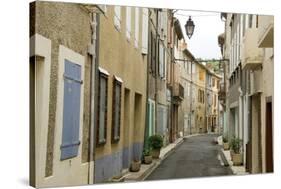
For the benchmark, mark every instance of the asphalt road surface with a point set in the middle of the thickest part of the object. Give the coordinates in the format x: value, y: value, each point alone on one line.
x: 197, y: 156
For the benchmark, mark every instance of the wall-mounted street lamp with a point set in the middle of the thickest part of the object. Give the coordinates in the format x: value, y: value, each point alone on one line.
x: 189, y: 27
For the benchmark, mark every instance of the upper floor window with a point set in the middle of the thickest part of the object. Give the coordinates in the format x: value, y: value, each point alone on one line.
x: 116, y: 109
x: 102, y: 107
x: 117, y: 17
x: 128, y: 22
x: 137, y: 14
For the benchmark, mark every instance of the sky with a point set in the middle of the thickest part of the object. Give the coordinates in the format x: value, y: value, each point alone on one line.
x: 204, y: 42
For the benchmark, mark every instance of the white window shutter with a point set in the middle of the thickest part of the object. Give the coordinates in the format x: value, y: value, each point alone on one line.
x: 128, y: 22
x: 144, y: 30
x: 117, y: 17
x: 136, y: 26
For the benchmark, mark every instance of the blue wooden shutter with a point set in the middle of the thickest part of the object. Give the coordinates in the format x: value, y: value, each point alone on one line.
x: 71, y: 110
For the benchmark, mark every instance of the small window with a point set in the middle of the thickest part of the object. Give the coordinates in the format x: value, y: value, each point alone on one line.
x: 102, y: 109
x: 250, y: 21
x: 116, y: 109
x: 128, y: 22
x: 137, y: 14
x: 214, y: 82
x: 117, y: 17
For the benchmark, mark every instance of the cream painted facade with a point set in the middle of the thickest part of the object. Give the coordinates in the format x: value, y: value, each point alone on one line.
x: 249, y: 47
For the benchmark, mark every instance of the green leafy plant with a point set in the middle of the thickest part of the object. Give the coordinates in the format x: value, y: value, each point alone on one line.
x: 235, y: 145
x: 146, y: 152
x: 155, y: 141
x: 224, y: 139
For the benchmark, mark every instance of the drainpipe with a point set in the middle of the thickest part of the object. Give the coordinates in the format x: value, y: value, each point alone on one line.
x: 146, y: 128
x: 191, y: 87
x: 156, y: 71
x: 93, y: 50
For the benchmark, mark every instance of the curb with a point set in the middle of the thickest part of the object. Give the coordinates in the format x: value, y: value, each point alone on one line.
x: 149, y: 171
x: 223, y: 158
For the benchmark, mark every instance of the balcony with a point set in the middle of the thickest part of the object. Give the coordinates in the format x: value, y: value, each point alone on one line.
x: 255, y: 82
x: 178, y: 92
x: 251, y: 53
x: 222, y: 92
x: 266, y: 31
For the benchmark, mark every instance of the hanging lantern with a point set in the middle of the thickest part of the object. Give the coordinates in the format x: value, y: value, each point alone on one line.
x: 189, y: 27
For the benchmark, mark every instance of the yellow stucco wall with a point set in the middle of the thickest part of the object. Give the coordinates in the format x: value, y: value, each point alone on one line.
x: 119, y: 57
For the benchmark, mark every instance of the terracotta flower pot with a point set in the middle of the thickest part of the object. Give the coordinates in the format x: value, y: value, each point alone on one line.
x: 155, y: 153
x: 135, y: 166
x: 237, y: 159
x: 148, y: 159
x: 226, y: 146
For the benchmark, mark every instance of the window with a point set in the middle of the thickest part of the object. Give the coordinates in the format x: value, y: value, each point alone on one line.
x: 193, y: 68
x: 218, y: 84
x: 244, y: 24
x: 116, y: 109
x: 153, y: 54
x: 144, y: 30
x: 161, y: 60
x: 250, y: 21
x: 213, y: 82
x: 257, y: 21
x: 117, y: 17
x: 102, y: 107
x: 71, y: 110
x: 203, y: 97
x: 201, y: 75
x: 128, y: 22
x: 136, y: 27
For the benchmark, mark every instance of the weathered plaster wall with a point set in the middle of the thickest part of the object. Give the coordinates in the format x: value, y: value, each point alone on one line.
x: 120, y: 57
x: 67, y: 25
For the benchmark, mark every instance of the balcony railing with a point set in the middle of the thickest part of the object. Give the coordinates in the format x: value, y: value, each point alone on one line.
x: 251, y: 53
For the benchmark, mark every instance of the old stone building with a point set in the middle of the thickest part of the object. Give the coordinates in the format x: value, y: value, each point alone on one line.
x: 122, y: 60
x: 248, y: 45
x: 59, y: 69
x: 88, y: 70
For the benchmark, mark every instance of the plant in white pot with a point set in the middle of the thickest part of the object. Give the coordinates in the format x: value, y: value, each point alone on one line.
x: 225, y: 143
x: 147, y: 157
x: 237, y: 157
x: 156, y: 143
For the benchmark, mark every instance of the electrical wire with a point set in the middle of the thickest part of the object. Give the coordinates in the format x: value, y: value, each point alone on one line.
x: 195, y: 15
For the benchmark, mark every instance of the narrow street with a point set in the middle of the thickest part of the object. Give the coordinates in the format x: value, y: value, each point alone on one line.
x: 195, y: 157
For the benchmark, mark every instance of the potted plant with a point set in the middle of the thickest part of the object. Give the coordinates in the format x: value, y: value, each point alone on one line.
x: 135, y: 165
x: 147, y: 156
x: 156, y: 143
x: 225, y: 143
x: 236, y: 151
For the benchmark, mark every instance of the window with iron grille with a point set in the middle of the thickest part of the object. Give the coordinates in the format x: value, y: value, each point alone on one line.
x: 102, y: 109
x: 116, y: 109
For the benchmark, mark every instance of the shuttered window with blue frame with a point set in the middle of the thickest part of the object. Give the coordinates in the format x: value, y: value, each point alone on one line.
x: 71, y: 110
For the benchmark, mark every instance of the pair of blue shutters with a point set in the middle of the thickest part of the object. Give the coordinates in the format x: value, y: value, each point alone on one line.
x: 71, y: 110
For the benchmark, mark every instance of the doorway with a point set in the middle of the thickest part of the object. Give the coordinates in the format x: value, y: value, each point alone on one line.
x: 126, y: 156
x: 269, y: 137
